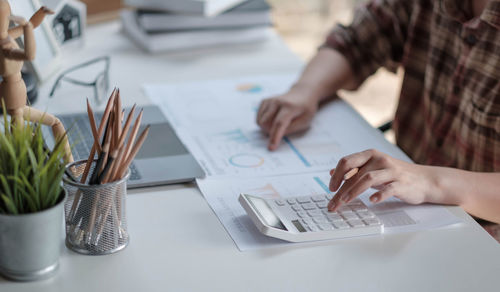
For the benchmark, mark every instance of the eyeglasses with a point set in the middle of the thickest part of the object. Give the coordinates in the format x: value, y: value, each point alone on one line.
x: 100, y: 84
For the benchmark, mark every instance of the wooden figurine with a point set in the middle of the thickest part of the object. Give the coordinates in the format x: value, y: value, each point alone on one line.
x: 12, y: 88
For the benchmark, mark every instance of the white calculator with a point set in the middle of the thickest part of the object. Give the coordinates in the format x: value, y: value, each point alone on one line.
x: 306, y: 218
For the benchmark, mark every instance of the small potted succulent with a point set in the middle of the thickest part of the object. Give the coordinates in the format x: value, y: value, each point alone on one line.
x: 31, y: 202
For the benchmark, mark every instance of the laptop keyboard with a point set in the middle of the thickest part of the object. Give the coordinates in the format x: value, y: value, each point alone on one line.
x: 80, y: 136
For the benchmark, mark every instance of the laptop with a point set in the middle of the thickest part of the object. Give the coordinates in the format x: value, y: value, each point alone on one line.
x: 162, y: 159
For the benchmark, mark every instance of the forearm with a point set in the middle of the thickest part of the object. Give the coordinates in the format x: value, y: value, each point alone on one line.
x: 325, y: 74
x: 477, y: 193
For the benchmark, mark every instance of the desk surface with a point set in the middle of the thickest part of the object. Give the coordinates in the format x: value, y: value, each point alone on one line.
x: 178, y: 244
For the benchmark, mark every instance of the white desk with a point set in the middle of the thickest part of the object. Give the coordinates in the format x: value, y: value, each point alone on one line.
x: 178, y: 244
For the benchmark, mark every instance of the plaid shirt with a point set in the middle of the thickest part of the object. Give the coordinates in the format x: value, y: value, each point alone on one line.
x: 449, y: 107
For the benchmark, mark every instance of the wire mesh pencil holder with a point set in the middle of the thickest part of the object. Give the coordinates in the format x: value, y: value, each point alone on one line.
x: 96, y: 221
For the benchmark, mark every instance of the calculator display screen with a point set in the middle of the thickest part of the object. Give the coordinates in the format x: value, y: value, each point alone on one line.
x: 266, y: 212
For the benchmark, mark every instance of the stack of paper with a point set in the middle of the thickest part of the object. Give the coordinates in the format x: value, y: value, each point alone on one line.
x: 168, y: 30
x: 203, y: 7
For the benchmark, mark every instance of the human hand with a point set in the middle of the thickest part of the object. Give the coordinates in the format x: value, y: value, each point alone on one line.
x: 288, y: 113
x: 411, y: 183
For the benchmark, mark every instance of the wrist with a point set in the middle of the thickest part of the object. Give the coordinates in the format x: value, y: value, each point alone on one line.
x: 445, y: 186
x: 310, y: 92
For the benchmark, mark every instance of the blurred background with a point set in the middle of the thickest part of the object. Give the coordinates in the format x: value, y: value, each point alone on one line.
x: 303, y: 25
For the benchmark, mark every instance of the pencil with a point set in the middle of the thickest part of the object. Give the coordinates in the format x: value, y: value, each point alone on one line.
x: 104, y: 176
x: 124, y: 166
x: 93, y: 127
x: 351, y: 173
x: 135, y: 130
x: 101, y: 128
x: 124, y: 149
x: 126, y: 127
x: 118, y: 109
x: 105, y: 149
x: 90, y: 159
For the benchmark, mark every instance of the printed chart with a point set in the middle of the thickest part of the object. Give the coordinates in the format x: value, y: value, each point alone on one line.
x: 244, y: 152
x: 216, y: 121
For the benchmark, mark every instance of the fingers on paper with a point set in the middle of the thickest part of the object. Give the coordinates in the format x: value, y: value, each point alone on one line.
x: 266, y: 114
x: 280, y: 126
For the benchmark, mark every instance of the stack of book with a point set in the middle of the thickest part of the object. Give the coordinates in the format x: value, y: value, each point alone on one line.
x: 169, y: 25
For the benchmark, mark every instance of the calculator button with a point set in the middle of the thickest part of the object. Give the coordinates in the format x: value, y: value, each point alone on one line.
x: 334, y: 217
x: 372, y: 221
x: 356, y: 202
x: 313, y: 213
x: 326, y: 226
x: 341, y: 225
x: 296, y: 208
x: 322, y: 205
x: 291, y: 201
x: 308, y: 206
x: 318, y: 199
x: 279, y: 202
x: 303, y: 200
x: 365, y: 214
x: 302, y: 214
x: 320, y: 220
x: 344, y: 208
x: 349, y: 216
x: 356, y: 223
x: 358, y: 207
x: 313, y: 228
x: 308, y: 221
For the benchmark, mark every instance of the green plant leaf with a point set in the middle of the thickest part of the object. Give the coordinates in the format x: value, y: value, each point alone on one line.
x: 30, y: 175
x: 9, y: 205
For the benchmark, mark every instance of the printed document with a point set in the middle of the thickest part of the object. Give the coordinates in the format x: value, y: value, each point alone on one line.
x: 216, y: 122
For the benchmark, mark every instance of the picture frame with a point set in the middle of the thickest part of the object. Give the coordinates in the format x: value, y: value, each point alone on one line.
x: 48, y: 55
x: 69, y: 22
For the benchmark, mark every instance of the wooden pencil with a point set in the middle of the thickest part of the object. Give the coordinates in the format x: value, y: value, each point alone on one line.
x: 125, y: 151
x: 118, y: 110
x: 102, y: 157
x: 123, y: 133
x: 101, y: 128
x: 124, y: 166
x: 351, y: 173
x: 135, y: 130
x: 93, y: 127
x: 93, y: 151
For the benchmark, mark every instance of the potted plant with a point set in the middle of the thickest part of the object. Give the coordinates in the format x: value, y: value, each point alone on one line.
x: 31, y: 202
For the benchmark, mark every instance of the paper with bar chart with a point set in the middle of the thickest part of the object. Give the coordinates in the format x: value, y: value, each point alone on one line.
x: 216, y: 121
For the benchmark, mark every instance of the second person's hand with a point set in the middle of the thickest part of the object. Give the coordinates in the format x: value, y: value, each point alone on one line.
x: 288, y: 113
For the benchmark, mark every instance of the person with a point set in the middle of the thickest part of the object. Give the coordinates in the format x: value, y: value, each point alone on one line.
x: 448, y: 116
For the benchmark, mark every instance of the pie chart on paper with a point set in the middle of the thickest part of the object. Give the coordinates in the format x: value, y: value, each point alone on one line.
x: 246, y: 160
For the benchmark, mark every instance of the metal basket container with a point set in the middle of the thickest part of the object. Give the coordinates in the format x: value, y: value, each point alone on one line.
x: 96, y: 221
